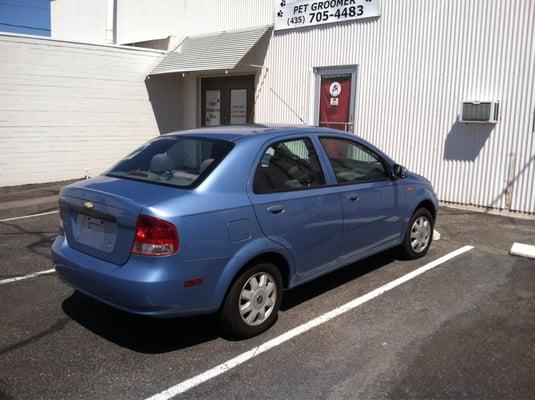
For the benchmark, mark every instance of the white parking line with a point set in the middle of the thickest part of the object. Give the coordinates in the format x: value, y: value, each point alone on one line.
x: 29, y: 216
x: 270, y: 344
x: 20, y: 278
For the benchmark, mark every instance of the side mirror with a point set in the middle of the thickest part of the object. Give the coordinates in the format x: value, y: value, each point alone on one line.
x: 398, y: 172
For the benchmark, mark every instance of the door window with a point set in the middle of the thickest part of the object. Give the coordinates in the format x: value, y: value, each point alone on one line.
x: 238, y: 106
x: 213, y: 107
x: 288, y: 165
x: 352, y: 162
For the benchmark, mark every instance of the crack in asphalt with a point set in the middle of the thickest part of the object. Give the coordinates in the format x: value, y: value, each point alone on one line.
x: 43, y: 243
x: 56, y: 327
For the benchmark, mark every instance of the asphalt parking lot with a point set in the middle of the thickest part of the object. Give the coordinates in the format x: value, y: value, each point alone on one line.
x: 464, y: 329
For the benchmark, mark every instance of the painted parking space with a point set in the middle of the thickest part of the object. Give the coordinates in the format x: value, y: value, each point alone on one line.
x: 79, y: 348
x: 440, y: 336
x: 339, y: 311
x: 28, y: 276
x: 106, y: 339
x: 28, y: 216
x: 26, y: 244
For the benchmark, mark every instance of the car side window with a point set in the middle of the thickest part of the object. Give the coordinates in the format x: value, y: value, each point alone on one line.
x: 288, y: 165
x: 352, y: 162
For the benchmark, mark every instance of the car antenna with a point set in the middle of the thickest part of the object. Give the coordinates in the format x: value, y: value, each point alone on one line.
x: 289, y: 108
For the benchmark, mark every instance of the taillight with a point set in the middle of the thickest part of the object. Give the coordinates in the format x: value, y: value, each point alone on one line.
x: 155, y: 237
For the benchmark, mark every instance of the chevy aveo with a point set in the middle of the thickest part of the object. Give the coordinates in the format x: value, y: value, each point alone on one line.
x: 224, y: 219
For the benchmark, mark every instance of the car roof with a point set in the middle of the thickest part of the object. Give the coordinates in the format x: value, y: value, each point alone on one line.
x: 236, y: 132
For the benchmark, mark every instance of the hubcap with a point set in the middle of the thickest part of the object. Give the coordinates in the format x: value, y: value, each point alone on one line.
x: 420, y: 234
x: 257, y: 298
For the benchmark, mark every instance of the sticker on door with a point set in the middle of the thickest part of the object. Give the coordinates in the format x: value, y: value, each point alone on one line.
x: 213, y: 107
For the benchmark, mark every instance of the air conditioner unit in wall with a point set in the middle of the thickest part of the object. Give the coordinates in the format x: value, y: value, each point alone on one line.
x: 483, y: 112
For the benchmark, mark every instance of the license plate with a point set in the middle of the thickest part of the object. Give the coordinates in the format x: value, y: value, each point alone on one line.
x: 95, y: 232
x: 95, y: 224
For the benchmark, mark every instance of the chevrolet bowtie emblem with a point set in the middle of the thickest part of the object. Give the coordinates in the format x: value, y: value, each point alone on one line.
x: 88, y: 205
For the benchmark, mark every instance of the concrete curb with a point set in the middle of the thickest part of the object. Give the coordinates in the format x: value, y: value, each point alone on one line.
x: 523, y: 250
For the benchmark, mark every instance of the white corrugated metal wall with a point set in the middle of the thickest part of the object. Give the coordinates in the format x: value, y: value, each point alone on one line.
x: 139, y: 20
x: 416, y: 63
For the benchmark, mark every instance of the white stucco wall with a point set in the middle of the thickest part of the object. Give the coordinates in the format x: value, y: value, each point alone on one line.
x: 65, y: 107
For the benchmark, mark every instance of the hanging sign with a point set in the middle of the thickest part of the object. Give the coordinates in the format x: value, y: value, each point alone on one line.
x: 238, y: 106
x: 335, y: 101
x: 213, y: 108
x: 291, y: 14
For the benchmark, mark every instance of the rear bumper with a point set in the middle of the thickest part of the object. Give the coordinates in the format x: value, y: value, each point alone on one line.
x: 152, y: 286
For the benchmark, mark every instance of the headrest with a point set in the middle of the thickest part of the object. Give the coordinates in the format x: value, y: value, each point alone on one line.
x: 161, y: 163
x: 205, y: 164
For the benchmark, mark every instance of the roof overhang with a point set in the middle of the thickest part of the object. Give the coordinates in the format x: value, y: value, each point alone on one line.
x: 216, y: 51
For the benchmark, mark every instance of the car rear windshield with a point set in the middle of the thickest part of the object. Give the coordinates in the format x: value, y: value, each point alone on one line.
x: 176, y: 161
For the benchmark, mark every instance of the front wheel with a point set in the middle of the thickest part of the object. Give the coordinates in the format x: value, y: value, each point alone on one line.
x: 253, y: 301
x: 419, y: 234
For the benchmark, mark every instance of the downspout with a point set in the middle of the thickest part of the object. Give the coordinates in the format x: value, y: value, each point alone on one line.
x: 111, y: 22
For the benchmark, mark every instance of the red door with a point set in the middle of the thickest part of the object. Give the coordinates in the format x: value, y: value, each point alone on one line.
x: 335, y: 102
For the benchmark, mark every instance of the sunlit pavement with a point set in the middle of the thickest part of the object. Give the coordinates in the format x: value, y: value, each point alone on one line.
x: 465, y: 329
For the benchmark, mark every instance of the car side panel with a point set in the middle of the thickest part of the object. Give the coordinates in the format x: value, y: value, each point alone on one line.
x: 217, y: 233
x: 231, y: 236
x: 309, y: 226
x: 248, y: 251
x: 372, y: 211
x: 420, y: 192
x: 372, y: 221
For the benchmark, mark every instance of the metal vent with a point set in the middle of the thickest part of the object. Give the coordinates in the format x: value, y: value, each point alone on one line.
x: 480, y: 111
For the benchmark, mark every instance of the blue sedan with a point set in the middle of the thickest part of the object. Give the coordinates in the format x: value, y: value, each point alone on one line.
x: 224, y: 219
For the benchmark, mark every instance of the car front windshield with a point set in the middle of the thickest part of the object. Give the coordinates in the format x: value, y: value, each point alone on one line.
x: 173, y: 160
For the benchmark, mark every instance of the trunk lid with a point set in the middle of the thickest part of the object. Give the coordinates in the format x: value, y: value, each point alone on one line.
x: 101, y: 214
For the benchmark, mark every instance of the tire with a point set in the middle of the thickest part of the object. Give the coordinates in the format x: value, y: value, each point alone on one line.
x: 267, y: 293
x: 413, y: 247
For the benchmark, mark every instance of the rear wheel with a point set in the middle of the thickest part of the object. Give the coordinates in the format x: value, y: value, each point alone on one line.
x: 253, y: 301
x: 419, y: 234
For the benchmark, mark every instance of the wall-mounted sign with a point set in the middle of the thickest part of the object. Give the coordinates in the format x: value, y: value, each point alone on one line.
x: 291, y: 14
x: 335, y: 89
x: 238, y: 106
x: 213, y: 108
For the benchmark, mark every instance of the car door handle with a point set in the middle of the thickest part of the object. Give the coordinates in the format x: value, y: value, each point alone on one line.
x: 276, y: 209
x: 353, y: 196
